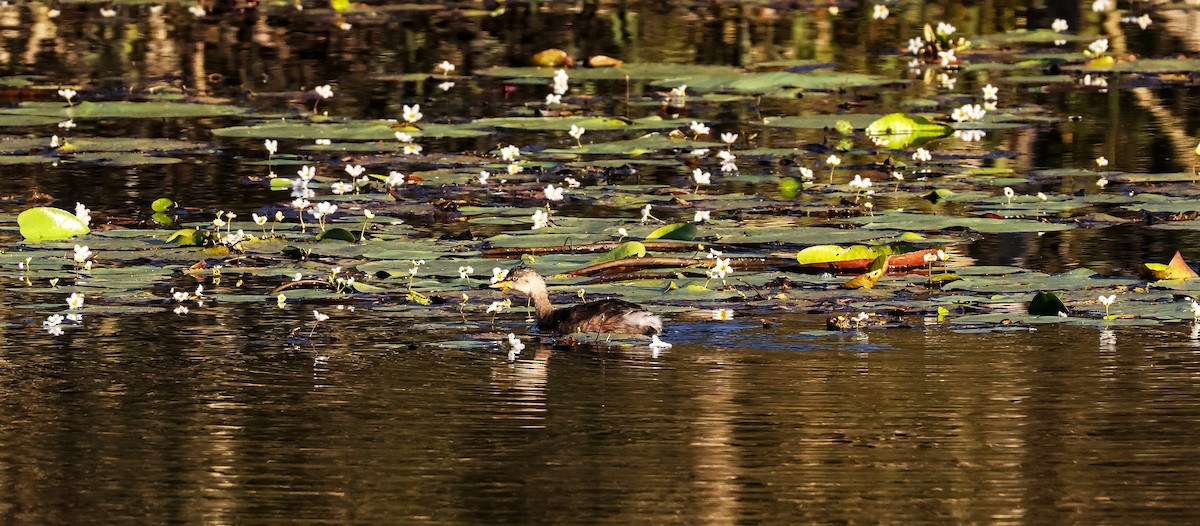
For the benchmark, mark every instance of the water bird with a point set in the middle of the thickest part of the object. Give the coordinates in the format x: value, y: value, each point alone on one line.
x: 607, y: 315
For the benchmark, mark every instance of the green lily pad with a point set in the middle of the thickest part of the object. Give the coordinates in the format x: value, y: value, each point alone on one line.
x: 124, y: 110
x: 45, y: 223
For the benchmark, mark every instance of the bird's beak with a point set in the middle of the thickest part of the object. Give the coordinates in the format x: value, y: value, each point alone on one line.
x: 502, y: 284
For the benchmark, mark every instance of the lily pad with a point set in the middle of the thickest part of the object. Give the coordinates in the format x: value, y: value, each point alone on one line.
x: 45, y: 223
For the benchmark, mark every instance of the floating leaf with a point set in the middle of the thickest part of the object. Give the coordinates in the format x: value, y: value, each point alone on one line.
x: 187, y: 237
x: 552, y: 58
x: 340, y: 234
x: 900, y: 130
x: 46, y: 223
x: 123, y: 109
x: 1046, y: 304
x: 162, y: 204
x: 604, y: 61
x: 868, y: 280
x: 1176, y: 269
x: 628, y: 249
x: 676, y: 231
x: 826, y: 254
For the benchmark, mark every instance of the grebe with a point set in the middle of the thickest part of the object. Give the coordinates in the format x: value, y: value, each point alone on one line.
x: 609, y: 315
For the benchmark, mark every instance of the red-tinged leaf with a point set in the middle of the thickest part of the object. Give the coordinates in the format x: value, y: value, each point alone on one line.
x: 1176, y: 269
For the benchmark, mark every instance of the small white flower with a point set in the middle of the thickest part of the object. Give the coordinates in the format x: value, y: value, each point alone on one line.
x: 306, y: 173
x: 729, y: 138
x: 445, y: 67
x: 394, y: 179
x: 1101, y: 5
x: 515, y: 346
x: 498, y: 275
x: 1009, y: 193
x: 944, y: 29
x: 510, y: 153
x: 75, y: 301
x: 541, y: 219
x: 464, y: 272
x: 702, y: 216
x: 67, y: 93
x: 880, y: 13
x: 411, y: 148
x: 646, y: 214
x: 1059, y: 25
x: 355, y: 170
x: 483, y: 177
x: 553, y: 98
x: 657, y: 344
x: 990, y: 92
x: 1195, y: 309
x: 319, y: 317
x: 403, y: 137
x: 271, y: 145
x: 82, y: 253
x: 412, y: 113
x: 324, y: 92
x: 1098, y: 47
x: 916, y: 45
x: 1107, y: 301
x: 860, y: 183
x: 1102, y: 182
x: 181, y: 310
x: 622, y: 232
x: 498, y: 306
x: 54, y: 142
x: 445, y: 86
x: 807, y: 173
x: 833, y: 160
x: 67, y: 124
x: 922, y: 155
x: 701, y: 177
x: 720, y: 268
x: 572, y: 182
x: 514, y: 169
x: 576, y: 132
x: 197, y: 11
x: 947, y: 57
x: 699, y: 128
x: 554, y: 194
x: 109, y: 12
x: 341, y: 188
x: 1042, y: 196
x: 53, y: 320
x: 1101, y: 161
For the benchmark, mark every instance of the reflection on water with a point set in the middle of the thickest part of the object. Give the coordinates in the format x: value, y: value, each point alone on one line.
x: 215, y: 418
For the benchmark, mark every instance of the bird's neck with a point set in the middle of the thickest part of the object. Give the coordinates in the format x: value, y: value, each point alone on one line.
x: 541, y: 304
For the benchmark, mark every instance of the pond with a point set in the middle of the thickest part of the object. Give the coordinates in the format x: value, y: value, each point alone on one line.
x: 203, y: 346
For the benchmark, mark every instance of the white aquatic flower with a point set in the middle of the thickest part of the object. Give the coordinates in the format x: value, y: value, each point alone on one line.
x: 465, y: 271
x: 403, y: 137
x: 899, y: 176
x: 1107, y: 301
x: 258, y: 220
x: 947, y: 57
x: 702, y: 216
x: 483, y: 176
x: 510, y: 153
x: 1143, y: 21
x: 341, y: 188
x: 355, y: 170
x: 990, y: 92
x: 83, y: 214
x: 541, y: 219
x: 55, y: 142
x: 729, y: 138
x: 412, y: 148
x: 53, y: 320
x: 726, y: 156
x: 645, y: 214
x: 922, y: 155
x: 514, y: 169
x: 1099, y: 46
x: 67, y: 93
x: 728, y: 167
x: 107, y: 12
x: 968, y: 113
x: 621, y: 232
x: 576, y: 132
x: 307, y: 172
x: 699, y: 128
x: 1009, y: 192
x: 498, y: 275
x: 1101, y: 161
x: 197, y: 11
x: 1102, y: 182
x: 572, y: 182
x: 916, y: 45
x: 181, y: 310
x: 324, y: 92
x: 394, y: 179
x: 553, y: 193
x: 1101, y: 5
x: 1059, y: 25
x: 67, y: 124
x: 701, y: 176
x: 560, y: 82
x: 833, y: 160
x: 323, y: 142
x: 271, y: 145
x: 720, y: 268
x: 553, y: 98
x: 445, y: 86
x: 807, y: 174
x: 1096, y: 82
x: 880, y: 12
x: 412, y: 113
x: 944, y: 29
x: 75, y: 301
x: 1042, y: 196
x: 82, y: 253
x: 860, y: 183
x: 970, y: 135
x: 515, y: 346
x: 1195, y: 309
x: 445, y: 67
x: 319, y: 317
x: 498, y: 306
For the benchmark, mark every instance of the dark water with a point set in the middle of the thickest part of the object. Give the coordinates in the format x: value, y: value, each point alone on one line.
x: 223, y: 418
